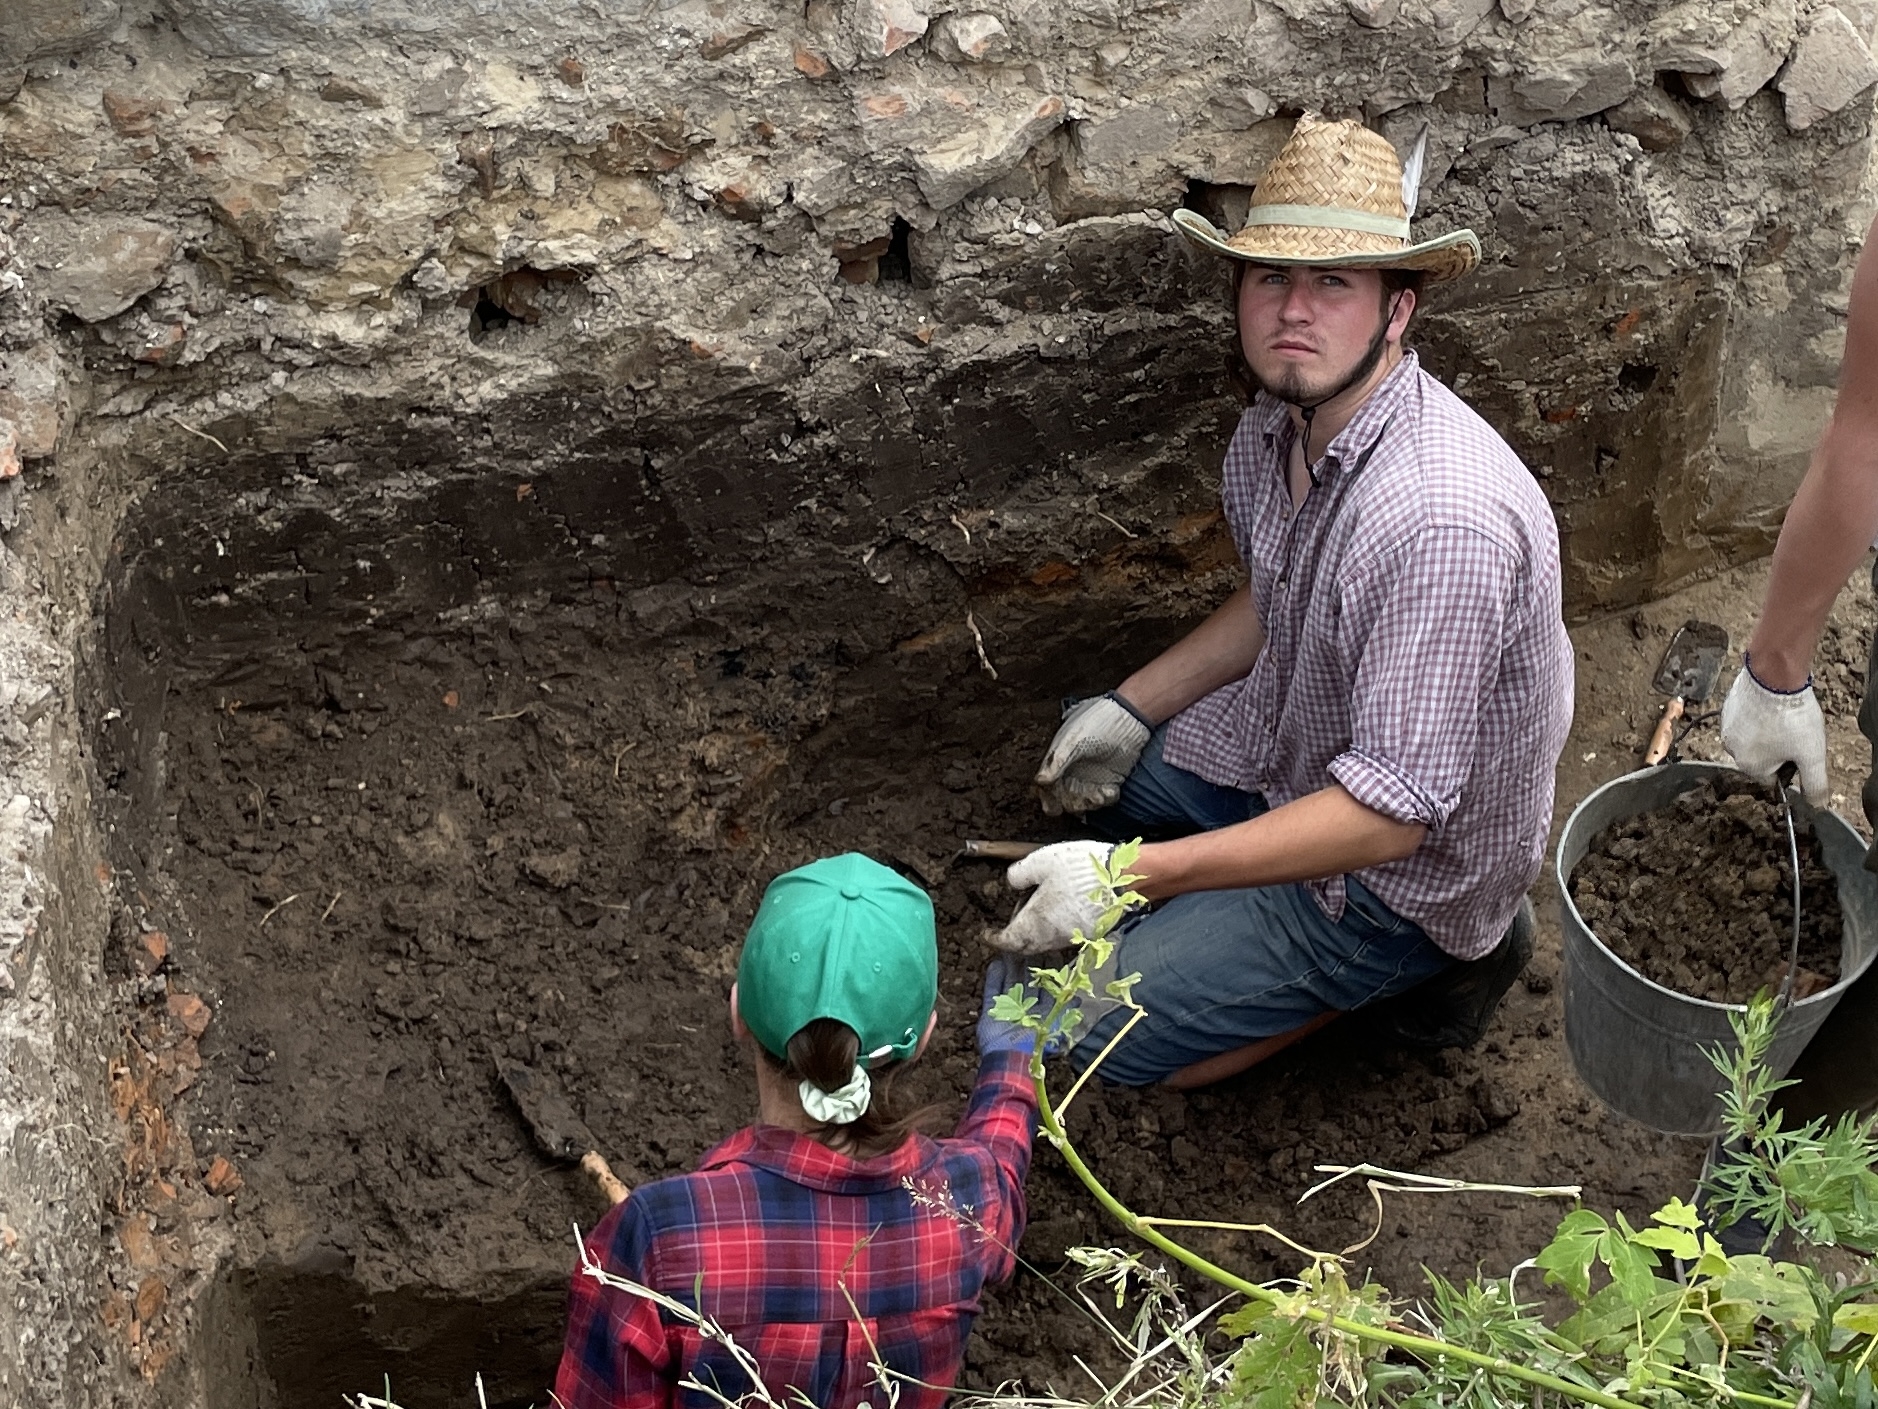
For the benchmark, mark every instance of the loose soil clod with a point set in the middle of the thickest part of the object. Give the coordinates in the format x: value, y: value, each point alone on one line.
x: 1698, y: 897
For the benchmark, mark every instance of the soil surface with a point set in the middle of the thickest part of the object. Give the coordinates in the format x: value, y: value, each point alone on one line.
x: 1699, y: 897
x: 514, y: 841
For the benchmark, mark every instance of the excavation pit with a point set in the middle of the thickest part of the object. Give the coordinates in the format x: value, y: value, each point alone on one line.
x: 411, y: 796
x: 758, y: 389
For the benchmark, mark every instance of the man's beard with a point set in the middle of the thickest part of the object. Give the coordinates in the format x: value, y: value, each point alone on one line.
x: 1291, y: 385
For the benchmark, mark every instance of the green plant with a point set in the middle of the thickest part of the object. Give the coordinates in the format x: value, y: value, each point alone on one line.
x: 1816, y: 1180
x: 1662, y: 1315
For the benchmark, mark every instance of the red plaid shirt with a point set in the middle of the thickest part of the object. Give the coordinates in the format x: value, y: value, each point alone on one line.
x: 776, y: 1234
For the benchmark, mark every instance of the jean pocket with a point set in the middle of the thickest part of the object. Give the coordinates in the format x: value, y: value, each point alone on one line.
x: 1360, y: 901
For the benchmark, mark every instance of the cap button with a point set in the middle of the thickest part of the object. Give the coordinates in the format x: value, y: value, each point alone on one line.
x: 850, y: 891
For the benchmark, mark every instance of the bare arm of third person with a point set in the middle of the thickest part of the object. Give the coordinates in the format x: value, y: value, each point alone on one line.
x: 1218, y: 651
x: 1834, y: 516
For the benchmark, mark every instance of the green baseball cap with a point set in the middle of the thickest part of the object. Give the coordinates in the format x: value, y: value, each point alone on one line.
x: 843, y: 938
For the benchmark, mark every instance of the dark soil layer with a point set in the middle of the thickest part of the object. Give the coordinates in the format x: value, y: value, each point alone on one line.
x: 1699, y: 896
x: 517, y: 839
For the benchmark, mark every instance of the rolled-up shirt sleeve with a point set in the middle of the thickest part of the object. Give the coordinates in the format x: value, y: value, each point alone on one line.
x: 1428, y: 625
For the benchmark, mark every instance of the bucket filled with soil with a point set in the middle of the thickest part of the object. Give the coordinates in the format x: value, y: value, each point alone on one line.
x: 1678, y: 909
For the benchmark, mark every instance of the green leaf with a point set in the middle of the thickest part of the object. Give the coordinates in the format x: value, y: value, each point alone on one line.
x: 1858, y: 1317
x: 1776, y: 1292
x: 1277, y: 1369
x: 1241, y: 1323
x: 1673, y: 1241
x: 1123, y: 988
x: 1016, y: 1006
x: 1055, y: 982
x: 1568, y: 1257
x: 1632, y: 1270
x: 1677, y: 1214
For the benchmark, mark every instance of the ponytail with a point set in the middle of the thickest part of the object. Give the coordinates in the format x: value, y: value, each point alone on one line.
x: 825, y: 1054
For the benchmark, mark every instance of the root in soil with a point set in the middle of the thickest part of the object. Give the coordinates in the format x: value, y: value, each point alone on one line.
x: 1699, y: 896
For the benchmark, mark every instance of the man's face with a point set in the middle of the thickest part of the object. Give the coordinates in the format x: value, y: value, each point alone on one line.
x: 1305, y: 331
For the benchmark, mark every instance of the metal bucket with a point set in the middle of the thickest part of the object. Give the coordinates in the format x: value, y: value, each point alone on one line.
x: 1639, y: 1045
x: 1838, y: 1071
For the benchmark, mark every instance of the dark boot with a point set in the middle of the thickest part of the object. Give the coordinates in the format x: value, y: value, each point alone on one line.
x: 1453, y: 1008
x: 1744, y: 1235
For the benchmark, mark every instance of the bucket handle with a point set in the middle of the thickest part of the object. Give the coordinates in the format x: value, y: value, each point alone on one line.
x: 1783, y: 780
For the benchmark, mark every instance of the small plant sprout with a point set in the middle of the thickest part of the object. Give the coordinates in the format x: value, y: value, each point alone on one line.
x: 1816, y: 1180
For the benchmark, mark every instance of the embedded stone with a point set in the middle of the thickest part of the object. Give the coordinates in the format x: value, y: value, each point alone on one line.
x: 33, y: 397
x: 887, y: 26
x: 1142, y: 132
x: 970, y: 38
x: 439, y: 93
x: 96, y: 269
x: 337, y: 89
x: 812, y: 65
x: 131, y: 115
x: 1373, y: 14
x: 1654, y: 118
x: 729, y: 41
x: 1454, y: 20
x: 313, y: 220
x: 1830, y: 67
x: 31, y: 29
x: 1240, y: 158
x: 1749, y: 58
x: 1863, y: 15
x: 164, y: 347
x: 1566, y: 87
x: 952, y: 169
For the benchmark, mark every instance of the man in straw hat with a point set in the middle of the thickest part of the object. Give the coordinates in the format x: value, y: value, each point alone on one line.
x: 1345, y: 772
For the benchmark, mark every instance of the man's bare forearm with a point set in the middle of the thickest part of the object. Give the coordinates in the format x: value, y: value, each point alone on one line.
x: 1835, y: 514
x: 1326, y: 833
x: 1828, y: 530
x: 1219, y: 650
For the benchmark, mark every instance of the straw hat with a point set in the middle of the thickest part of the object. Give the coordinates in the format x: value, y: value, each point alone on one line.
x: 1336, y: 196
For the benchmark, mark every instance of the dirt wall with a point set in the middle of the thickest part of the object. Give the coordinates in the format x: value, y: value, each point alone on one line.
x: 339, y: 331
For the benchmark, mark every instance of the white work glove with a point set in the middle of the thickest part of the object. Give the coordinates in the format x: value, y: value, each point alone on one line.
x: 1096, y: 746
x: 1069, y: 896
x: 1764, y: 728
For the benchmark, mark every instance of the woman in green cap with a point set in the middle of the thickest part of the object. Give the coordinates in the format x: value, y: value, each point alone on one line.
x: 840, y: 1248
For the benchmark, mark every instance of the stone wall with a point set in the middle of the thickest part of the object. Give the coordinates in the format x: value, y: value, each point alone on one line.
x: 315, y: 316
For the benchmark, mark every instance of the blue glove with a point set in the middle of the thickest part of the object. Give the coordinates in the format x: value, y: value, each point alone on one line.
x: 995, y: 1035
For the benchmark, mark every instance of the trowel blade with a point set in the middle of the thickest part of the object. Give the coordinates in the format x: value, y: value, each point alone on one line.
x: 550, y: 1117
x: 1691, y: 661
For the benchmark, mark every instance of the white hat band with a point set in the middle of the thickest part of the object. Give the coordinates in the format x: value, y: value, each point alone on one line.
x: 1329, y: 217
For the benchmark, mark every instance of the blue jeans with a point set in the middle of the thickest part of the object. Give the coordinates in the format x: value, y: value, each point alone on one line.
x: 1224, y: 968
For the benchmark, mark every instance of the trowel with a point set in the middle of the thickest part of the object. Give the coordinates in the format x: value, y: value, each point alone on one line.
x: 999, y: 850
x: 1686, y: 674
x: 559, y: 1133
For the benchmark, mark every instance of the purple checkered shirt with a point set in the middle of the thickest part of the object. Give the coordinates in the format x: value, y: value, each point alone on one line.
x: 1414, y: 649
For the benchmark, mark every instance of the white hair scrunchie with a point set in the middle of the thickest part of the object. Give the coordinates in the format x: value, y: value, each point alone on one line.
x: 842, y: 1106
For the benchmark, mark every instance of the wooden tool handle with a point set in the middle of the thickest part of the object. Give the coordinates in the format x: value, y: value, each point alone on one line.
x: 1665, y: 730
x: 1002, y: 850
x: 602, y: 1174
